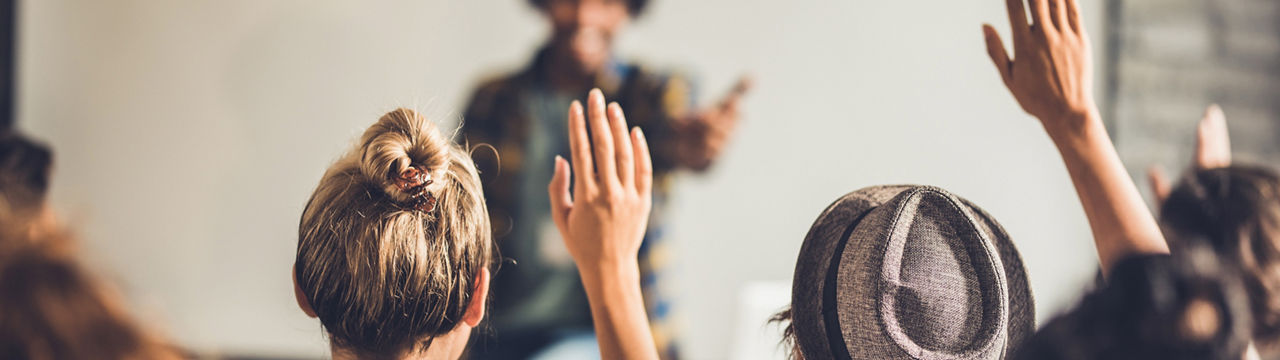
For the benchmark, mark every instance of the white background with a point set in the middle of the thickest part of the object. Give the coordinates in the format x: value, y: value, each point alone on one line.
x: 190, y: 133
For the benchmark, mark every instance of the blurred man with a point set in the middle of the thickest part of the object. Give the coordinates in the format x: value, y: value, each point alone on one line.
x: 539, y: 307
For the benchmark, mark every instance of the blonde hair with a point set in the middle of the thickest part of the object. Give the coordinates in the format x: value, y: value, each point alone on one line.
x: 385, y: 277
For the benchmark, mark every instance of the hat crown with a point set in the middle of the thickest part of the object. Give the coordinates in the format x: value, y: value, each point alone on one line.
x: 942, y: 288
x: 909, y: 272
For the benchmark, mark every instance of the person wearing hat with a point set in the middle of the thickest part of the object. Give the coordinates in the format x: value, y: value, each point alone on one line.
x: 886, y: 272
x: 908, y: 272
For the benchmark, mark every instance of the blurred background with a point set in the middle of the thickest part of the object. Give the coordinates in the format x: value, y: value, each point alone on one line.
x: 1171, y: 58
x: 189, y: 134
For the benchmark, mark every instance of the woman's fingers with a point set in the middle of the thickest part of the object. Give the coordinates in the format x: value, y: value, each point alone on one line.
x: 1058, y: 14
x: 643, y: 163
x: 1073, y: 16
x: 1213, y: 142
x: 1017, y: 20
x: 1040, y: 15
x: 602, y: 141
x: 999, y: 57
x: 580, y: 150
x: 558, y: 190
x: 622, y: 142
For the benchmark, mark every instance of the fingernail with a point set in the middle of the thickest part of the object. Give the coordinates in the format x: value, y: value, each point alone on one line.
x: 639, y: 133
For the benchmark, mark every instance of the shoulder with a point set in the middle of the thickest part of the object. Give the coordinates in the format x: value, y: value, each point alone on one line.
x: 496, y: 86
x: 659, y: 79
x: 490, y: 97
x: 671, y: 90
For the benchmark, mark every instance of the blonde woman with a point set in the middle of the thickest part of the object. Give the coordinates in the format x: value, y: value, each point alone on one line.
x: 394, y: 247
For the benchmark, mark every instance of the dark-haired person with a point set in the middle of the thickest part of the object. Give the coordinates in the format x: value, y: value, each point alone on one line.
x: 1187, y: 306
x: 1233, y: 209
x: 51, y: 306
x: 26, y: 167
x: 539, y: 305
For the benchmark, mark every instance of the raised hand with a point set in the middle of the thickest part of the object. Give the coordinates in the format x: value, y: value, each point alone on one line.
x: 605, y: 217
x: 1213, y: 143
x: 1213, y: 150
x: 603, y: 222
x: 1051, y: 77
x: 1051, y: 72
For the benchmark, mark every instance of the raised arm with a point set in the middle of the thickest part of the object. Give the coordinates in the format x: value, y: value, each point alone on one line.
x: 1050, y: 75
x: 603, y: 222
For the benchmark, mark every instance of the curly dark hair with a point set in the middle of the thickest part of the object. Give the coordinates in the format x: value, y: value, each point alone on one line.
x: 1185, y: 306
x: 635, y: 6
x: 1236, y: 211
x: 783, y: 319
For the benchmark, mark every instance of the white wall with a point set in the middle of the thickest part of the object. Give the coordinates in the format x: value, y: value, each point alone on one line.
x: 189, y: 134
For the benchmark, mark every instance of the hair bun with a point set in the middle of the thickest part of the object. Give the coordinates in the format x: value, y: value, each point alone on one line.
x: 414, y: 181
x: 404, y: 154
x: 412, y: 178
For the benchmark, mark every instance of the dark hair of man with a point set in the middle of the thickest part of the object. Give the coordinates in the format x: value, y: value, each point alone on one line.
x: 636, y: 7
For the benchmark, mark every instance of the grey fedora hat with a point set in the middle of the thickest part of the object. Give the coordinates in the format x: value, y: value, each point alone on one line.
x: 909, y: 272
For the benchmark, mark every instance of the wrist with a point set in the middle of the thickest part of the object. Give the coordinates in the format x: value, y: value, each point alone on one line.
x: 609, y: 269
x: 1071, y: 127
x: 1087, y: 143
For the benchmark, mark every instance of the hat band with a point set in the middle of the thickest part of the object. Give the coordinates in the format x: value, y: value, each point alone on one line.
x: 830, y: 308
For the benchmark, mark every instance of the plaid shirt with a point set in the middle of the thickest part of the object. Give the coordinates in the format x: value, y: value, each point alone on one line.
x: 498, y: 115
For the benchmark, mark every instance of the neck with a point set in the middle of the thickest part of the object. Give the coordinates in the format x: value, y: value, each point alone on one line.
x: 344, y: 354
x: 445, y: 347
x: 566, y: 74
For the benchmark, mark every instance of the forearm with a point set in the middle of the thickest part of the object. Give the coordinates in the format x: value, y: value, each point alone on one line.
x: 617, y: 309
x: 1119, y: 219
